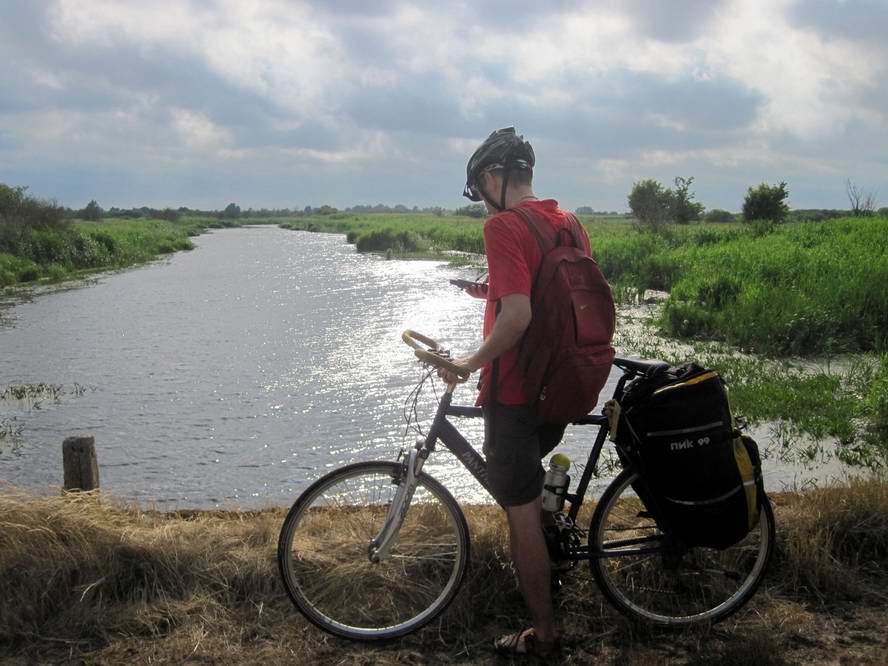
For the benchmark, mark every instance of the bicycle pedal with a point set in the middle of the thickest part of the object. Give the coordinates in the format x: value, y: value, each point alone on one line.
x: 561, y: 566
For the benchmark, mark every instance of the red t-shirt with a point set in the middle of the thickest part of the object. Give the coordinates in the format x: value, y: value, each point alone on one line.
x: 513, y: 258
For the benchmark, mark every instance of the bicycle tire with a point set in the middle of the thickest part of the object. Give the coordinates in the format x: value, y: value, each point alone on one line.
x: 672, y: 588
x: 325, y: 563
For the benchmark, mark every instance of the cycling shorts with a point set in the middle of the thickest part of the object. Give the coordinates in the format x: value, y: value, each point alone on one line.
x: 515, y: 441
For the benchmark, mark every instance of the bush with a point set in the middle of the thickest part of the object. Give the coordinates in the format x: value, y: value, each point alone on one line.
x: 682, y: 207
x: 29, y: 274
x: 718, y: 215
x: 649, y: 202
x: 56, y: 273
x: 93, y: 212
x: 46, y: 247
x: 380, y: 240
x: 883, y: 212
x: 472, y: 210
x: 22, y: 215
x: 762, y: 288
x: 766, y: 202
x: 12, y: 270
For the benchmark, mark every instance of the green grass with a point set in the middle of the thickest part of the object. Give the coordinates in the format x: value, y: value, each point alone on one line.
x: 58, y: 254
x: 814, y: 410
x: 402, y: 234
x: 804, y: 288
x: 796, y: 289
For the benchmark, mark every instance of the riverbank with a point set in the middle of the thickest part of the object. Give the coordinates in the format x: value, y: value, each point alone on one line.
x: 84, y: 579
x: 80, y: 248
x: 799, y: 288
x: 776, y: 298
x: 722, y: 281
x: 803, y: 411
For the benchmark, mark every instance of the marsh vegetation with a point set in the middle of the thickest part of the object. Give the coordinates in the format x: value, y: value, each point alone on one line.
x: 770, y: 296
x: 87, y: 578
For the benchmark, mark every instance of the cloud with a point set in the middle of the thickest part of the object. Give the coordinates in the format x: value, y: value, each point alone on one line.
x: 283, y: 102
x: 674, y: 21
x: 857, y: 21
x: 198, y: 131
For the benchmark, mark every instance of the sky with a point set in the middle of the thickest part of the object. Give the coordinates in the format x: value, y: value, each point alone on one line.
x: 285, y: 104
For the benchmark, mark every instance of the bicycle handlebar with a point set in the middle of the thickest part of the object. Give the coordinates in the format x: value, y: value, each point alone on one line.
x: 432, y: 353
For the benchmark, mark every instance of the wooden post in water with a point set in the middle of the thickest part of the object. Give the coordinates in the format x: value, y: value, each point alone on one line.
x: 81, y: 464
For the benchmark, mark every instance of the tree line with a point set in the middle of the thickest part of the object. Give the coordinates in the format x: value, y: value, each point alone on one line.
x: 653, y: 205
x: 93, y: 211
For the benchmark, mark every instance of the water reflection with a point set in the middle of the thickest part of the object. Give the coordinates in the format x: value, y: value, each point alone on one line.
x: 240, y: 372
x: 235, y: 373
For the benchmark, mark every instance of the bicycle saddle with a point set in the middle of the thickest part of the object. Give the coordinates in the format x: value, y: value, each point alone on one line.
x: 640, y: 366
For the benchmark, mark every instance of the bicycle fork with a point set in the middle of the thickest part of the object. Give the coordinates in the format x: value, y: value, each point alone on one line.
x: 379, y: 547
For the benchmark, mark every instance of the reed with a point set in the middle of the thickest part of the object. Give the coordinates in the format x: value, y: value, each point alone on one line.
x: 795, y: 289
x: 85, y: 578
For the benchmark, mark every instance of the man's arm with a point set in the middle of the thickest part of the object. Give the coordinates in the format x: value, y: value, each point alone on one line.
x: 511, y: 322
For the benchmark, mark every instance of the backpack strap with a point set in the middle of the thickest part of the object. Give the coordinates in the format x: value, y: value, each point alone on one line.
x: 545, y: 242
x: 533, y: 223
x: 573, y: 230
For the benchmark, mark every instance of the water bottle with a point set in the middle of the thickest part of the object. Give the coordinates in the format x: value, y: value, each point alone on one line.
x: 555, y: 483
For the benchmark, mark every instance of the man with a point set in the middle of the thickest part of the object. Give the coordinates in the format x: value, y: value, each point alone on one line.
x: 500, y: 173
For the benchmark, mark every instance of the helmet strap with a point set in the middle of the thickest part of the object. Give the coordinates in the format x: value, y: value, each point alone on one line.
x: 506, y: 173
x: 502, y: 203
x: 489, y: 199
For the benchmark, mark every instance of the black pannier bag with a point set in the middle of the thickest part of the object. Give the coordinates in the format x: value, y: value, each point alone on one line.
x: 702, y: 477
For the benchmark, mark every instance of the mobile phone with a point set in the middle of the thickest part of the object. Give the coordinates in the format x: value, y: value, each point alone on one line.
x: 465, y: 284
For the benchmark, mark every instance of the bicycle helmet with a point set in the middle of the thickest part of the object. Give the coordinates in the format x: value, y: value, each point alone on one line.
x: 504, y: 149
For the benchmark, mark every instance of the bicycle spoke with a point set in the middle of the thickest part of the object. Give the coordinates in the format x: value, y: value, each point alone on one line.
x: 676, y: 585
x: 328, y: 569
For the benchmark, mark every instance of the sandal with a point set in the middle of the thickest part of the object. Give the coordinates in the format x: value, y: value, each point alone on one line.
x: 525, y: 643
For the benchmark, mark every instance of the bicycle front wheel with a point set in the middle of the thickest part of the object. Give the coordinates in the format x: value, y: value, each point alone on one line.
x: 324, y: 559
x: 650, y: 577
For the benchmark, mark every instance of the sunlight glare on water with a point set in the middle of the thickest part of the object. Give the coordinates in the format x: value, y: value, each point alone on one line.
x: 238, y: 373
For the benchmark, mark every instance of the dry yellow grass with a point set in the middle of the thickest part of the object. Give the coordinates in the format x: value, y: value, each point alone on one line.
x: 84, y: 578
x: 833, y: 537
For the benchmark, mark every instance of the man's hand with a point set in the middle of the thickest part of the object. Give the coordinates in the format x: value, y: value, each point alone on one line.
x: 512, y: 321
x: 477, y: 290
x: 452, y: 378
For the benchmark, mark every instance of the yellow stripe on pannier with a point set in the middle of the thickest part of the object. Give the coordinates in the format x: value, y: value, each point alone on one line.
x: 696, y: 380
x: 747, y: 474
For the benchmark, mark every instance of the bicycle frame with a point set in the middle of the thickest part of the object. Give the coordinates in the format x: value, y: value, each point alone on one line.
x: 443, y: 430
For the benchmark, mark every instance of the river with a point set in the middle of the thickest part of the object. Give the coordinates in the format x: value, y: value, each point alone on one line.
x: 235, y: 374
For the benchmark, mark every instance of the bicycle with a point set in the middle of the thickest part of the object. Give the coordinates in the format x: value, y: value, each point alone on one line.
x: 376, y: 550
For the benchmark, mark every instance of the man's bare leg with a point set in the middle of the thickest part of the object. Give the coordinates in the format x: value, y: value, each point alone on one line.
x: 531, y: 560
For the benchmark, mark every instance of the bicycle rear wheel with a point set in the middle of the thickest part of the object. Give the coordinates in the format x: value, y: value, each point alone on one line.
x: 323, y: 553
x: 651, y: 578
